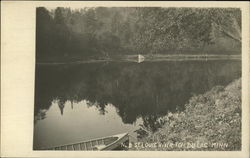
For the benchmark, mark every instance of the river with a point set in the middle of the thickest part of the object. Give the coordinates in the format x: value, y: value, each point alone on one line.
x: 91, y: 100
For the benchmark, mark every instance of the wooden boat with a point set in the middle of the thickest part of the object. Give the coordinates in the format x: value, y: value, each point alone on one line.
x: 106, y: 143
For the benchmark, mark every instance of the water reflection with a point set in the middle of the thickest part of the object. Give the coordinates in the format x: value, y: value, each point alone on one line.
x: 146, y: 90
x: 78, y: 124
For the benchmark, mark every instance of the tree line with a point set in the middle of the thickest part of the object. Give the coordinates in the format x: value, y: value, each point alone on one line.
x: 66, y: 34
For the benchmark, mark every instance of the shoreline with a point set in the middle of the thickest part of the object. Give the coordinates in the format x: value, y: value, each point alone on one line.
x: 210, y: 122
x: 148, y: 58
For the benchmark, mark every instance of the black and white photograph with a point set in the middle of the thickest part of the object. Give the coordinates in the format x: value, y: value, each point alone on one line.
x: 138, y: 78
x: 134, y: 79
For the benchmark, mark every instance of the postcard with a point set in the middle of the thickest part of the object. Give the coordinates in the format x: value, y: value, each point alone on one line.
x: 124, y: 79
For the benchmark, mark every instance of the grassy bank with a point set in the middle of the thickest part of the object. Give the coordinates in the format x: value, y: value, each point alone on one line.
x: 211, y: 121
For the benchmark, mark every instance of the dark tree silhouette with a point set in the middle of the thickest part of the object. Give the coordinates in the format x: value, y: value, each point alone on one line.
x: 69, y: 35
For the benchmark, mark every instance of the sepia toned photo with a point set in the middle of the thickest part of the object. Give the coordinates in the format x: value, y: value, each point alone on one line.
x: 138, y: 79
x: 134, y: 79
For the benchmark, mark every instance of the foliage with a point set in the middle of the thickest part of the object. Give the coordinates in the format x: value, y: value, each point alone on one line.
x: 177, y: 28
x: 65, y: 34
x: 212, y: 117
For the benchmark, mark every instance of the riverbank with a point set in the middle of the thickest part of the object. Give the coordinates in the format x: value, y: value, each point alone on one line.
x: 149, y: 58
x: 211, y: 121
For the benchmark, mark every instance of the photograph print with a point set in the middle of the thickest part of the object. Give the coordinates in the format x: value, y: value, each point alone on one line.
x: 138, y: 79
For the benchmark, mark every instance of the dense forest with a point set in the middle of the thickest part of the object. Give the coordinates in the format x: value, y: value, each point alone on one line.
x: 63, y: 34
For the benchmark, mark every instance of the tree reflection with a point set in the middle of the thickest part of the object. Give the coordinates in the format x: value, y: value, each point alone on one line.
x: 145, y: 90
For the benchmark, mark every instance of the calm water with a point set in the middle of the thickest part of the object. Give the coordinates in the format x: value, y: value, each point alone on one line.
x: 80, y: 102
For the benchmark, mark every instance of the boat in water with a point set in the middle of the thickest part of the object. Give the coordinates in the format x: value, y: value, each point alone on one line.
x: 141, y: 58
x: 115, y: 142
